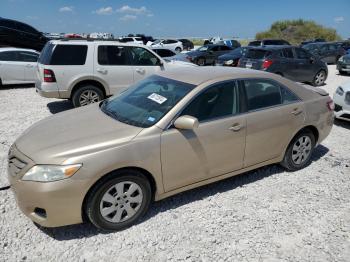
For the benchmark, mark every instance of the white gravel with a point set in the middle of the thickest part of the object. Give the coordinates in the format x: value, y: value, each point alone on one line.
x: 265, y: 215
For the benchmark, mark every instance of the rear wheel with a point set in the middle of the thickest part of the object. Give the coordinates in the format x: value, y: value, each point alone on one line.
x: 178, y: 49
x: 341, y: 72
x: 117, y: 202
x: 319, y: 78
x: 299, y: 151
x: 86, y: 95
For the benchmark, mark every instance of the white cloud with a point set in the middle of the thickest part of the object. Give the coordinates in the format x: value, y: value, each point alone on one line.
x: 128, y: 18
x: 131, y: 10
x: 67, y: 9
x: 339, y: 19
x: 104, y: 11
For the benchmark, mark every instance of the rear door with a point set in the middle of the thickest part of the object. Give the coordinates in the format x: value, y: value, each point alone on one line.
x: 114, y: 67
x: 274, y: 115
x: 304, y: 70
x: 30, y: 59
x: 288, y: 64
x: 11, y: 68
x: 144, y: 63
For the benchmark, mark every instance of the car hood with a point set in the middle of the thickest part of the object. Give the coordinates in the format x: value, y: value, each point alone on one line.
x: 195, y: 53
x: 73, y: 133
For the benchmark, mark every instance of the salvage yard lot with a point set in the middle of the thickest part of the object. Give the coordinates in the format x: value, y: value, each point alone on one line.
x: 267, y: 214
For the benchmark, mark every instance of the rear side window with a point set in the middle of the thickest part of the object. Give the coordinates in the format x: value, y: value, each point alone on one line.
x: 28, y: 56
x: 257, y: 53
x: 288, y: 96
x: 142, y: 57
x: 287, y: 53
x: 301, y: 54
x: 68, y: 55
x: 262, y: 94
x: 113, y: 55
x: 217, y: 101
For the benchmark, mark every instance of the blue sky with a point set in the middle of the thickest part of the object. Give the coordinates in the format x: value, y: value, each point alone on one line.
x: 174, y: 18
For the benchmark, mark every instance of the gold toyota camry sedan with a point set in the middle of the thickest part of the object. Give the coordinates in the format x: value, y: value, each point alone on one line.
x: 168, y: 133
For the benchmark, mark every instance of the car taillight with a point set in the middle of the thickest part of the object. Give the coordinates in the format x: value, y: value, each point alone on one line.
x: 49, y: 76
x: 267, y: 63
x: 330, y: 104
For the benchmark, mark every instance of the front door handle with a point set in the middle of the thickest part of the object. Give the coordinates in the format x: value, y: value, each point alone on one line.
x: 102, y: 71
x: 297, y: 111
x: 140, y: 70
x: 236, y: 127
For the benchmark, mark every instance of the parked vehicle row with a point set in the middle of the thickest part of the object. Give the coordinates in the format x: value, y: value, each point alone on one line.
x: 176, y: 130
x: 329, y: 52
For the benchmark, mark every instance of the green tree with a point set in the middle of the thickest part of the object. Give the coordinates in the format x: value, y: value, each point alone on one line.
x: 296, y: 31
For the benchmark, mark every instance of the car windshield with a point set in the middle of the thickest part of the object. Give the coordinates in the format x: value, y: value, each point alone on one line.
x: 239, y: 51
x: 203, y: 48
x: 157, y: 42
x: 145, y: 103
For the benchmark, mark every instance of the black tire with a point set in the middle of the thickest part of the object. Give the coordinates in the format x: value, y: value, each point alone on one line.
x: 95, y: 196
x: 317, y: 81
x: 77, y: 95
x: 341, y: 72
x: 178, y: 49
x: 201, y: 61
x: 288, y: 161
x: 0, y: 82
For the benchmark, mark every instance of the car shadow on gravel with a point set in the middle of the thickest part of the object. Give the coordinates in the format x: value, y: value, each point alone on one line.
x: 342, y: 123
x: 86, y: 230
x: 17, y: 86
x: 59, y: 106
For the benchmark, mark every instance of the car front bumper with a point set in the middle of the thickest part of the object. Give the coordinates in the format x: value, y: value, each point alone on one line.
x: 343, y: 66
x: 49, y: 204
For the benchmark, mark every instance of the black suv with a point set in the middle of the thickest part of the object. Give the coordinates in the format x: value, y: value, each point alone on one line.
x: 18, y: 34
x: 266, y: 42
x: 329, y: 52
x: 291, y: 62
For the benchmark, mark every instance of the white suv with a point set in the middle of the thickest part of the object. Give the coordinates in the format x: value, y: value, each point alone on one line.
x: 89, y: 71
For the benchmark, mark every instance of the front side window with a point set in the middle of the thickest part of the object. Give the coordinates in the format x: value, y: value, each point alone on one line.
x: 9, y: 56
x: 69, y: 55
x: 217, y: 101
x: 142, y: 57
x: 145, y: 103
x: 262, y: 94
x: 113, y: 55
x: 287, y: 53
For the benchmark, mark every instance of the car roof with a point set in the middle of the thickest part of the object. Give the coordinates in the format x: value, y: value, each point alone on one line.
x: 198, y: 75
x: 3, y: 49
x: 78, y: 41
x: 271, y: 47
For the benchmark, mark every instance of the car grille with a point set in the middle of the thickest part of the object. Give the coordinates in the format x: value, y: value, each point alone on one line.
x: 15, y: 165
x: 347, y: 97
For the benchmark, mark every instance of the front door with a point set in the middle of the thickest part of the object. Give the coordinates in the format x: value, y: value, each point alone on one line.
x: 215, y: 148
x: 274, y: 116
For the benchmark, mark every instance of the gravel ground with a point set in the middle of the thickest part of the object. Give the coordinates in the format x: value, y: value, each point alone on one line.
x: 265, y: 215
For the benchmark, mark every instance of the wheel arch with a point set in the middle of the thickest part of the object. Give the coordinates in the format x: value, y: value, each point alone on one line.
x: 146, y: 173
x: 85, y: 82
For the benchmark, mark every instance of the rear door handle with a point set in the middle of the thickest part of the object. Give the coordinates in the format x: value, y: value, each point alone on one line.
x: 236, y: 127
x: 140, y: 70
x: 102, y: 71
x: 297, y: 111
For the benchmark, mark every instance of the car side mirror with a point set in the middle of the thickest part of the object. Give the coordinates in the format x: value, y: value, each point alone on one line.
x: 312, y: 60
x: 186, y: 122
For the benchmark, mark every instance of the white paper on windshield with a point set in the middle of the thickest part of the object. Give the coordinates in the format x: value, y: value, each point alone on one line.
x: 157, y: 98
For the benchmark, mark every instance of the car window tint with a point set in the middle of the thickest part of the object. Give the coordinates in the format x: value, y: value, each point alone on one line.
x: 262, y: 94
x: 26, y: 28
x: 332, y: 47
x: 224, y: 48
x: 255, y: 43
x: 69, y: 55
x: 215, y: 48
x: 9, y: 56
x: 217, y: 101
x: 301, y: 54
x: 257, y: 53
x: 141, y: 56
x: 288, y: 96
x: 112, y: 55
x: 287, y: 53
x: 28, y: 56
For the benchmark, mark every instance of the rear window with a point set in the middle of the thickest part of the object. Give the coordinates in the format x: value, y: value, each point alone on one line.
x: 63, y: 55
x: 257, y: 53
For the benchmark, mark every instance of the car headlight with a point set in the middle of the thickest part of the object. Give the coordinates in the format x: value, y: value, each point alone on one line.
x: 340, y: 91
x: 48, y: 173
x: 229, y: 62
x: 341, y: 59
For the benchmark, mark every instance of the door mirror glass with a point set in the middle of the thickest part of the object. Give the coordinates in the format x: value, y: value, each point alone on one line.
x: 186, y: 122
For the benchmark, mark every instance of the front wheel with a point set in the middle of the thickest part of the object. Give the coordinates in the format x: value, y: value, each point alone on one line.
x: 299, y: 151
x: 201, y: 62
x: 119, y: 201
x: 178, y: 49
x: 86, y: 95
x: 319, y: 78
